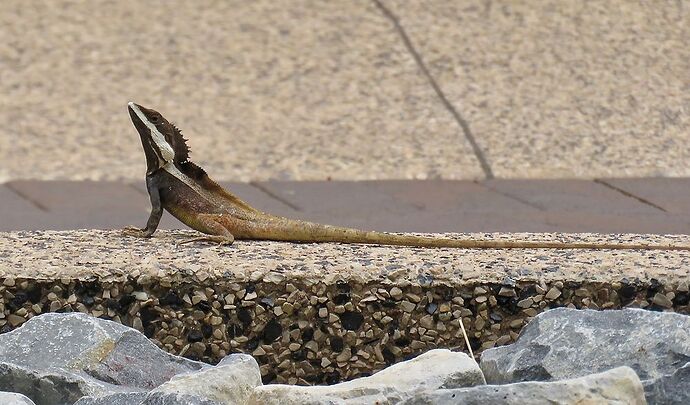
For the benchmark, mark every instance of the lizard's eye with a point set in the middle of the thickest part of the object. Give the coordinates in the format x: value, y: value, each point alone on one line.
x: 155, y: 119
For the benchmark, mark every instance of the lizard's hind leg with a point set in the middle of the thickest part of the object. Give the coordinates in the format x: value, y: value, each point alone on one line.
x: 217, y: 233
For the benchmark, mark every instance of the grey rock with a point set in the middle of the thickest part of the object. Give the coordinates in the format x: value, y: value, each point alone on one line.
x: 566, y: 343
x: 161, y: 398
x: 140, y: 398
x: 120, y: 398
x: 13, y: 398
x: 669, y: 389
x: 432, y: 370
x: 617, y: 386
x: 50, y: 386
x: 58, y: 358
x: 232, y: 381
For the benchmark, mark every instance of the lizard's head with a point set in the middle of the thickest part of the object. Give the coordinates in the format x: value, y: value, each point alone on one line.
x: 162, y: 141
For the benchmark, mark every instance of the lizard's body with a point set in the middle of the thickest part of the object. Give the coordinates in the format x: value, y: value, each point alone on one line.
x: 186, y: 191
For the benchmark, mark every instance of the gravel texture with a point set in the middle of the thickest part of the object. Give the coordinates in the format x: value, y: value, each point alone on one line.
x: 428, y: 372
x: 323, y: 313
x: 102, y: 360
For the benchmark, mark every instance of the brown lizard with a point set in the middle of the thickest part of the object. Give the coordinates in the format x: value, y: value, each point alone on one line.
x: 186, y: 191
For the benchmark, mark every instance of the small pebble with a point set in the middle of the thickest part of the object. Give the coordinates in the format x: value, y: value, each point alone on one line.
x: 526, y: 303
x: 553, y: 294
x: 662, y: 300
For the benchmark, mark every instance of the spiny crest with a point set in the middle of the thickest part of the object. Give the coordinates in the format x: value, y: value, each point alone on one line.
x: 180, y: 145
x: 194, y: 171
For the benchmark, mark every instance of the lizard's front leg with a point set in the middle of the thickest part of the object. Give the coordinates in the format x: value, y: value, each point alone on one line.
x: 154, y: 218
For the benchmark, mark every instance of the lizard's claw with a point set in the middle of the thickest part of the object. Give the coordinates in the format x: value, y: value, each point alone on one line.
x: 134, y: 231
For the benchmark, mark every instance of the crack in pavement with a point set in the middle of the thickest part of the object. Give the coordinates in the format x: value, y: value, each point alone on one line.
x: 512, y: 197
x: 479, y: 154
x: 37, y: 204
x: 629, y: 194
x: 273, y: 195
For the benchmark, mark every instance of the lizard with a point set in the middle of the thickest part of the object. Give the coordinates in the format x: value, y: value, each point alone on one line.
x: 176, y: 184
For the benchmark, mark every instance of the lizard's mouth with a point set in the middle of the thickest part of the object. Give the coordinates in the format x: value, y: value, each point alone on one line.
x: 153, y: 155
x: 143, y: 130
x: 138, y: 123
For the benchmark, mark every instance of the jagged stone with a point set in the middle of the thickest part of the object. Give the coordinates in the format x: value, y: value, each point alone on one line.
x: 669, y: 389
x: 232, y: 381
x: 120, y: 398
x: 143, y: 398
x: 58, y: 358
x: 51, y: 386
x: 565, y: 343
x: 163, y: 398
x: 618, y: 386
x: 13, y: 398
x: 432, y: 370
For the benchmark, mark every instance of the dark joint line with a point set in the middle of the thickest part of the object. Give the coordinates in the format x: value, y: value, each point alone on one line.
x: 488, y: 173
x: 35, y: 203
x: 629, y: 194
x: 508, y: 195
x: 273, y: 195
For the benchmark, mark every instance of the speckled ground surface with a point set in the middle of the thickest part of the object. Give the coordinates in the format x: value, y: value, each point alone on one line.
x: 287, y: 90
x: 108, y: 255
x: 563, y: 89
x: 310, y: 90
x: 319, y: 314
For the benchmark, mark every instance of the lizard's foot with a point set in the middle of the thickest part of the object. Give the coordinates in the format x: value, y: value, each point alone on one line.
x: 136, y: 232
x: 219, y: 239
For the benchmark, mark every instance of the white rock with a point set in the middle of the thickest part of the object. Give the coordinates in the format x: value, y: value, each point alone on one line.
x: 12, y: 398
x: 432, y: 370
x: 230, y: 382
x: 120, y: 398
x: 618, y: 386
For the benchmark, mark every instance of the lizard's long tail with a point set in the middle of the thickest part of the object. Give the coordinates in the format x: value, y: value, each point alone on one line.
x: 302, y: 231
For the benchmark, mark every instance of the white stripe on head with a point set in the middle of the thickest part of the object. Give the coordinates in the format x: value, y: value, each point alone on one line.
x: 170, y: 167
x: 165, y: 148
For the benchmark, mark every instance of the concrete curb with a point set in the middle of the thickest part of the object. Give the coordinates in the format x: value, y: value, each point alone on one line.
x: 322, y: 313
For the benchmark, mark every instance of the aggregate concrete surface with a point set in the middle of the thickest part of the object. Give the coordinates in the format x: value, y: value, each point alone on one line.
x: 310, y: 90
x: 82, y: 255
x: 287, y: 90
x: 563, y: 89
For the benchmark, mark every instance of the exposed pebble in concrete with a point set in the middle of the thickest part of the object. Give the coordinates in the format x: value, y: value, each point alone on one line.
x: 368, y: 321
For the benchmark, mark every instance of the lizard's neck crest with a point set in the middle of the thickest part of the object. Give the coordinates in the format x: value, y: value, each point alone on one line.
x: 179, y: 145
